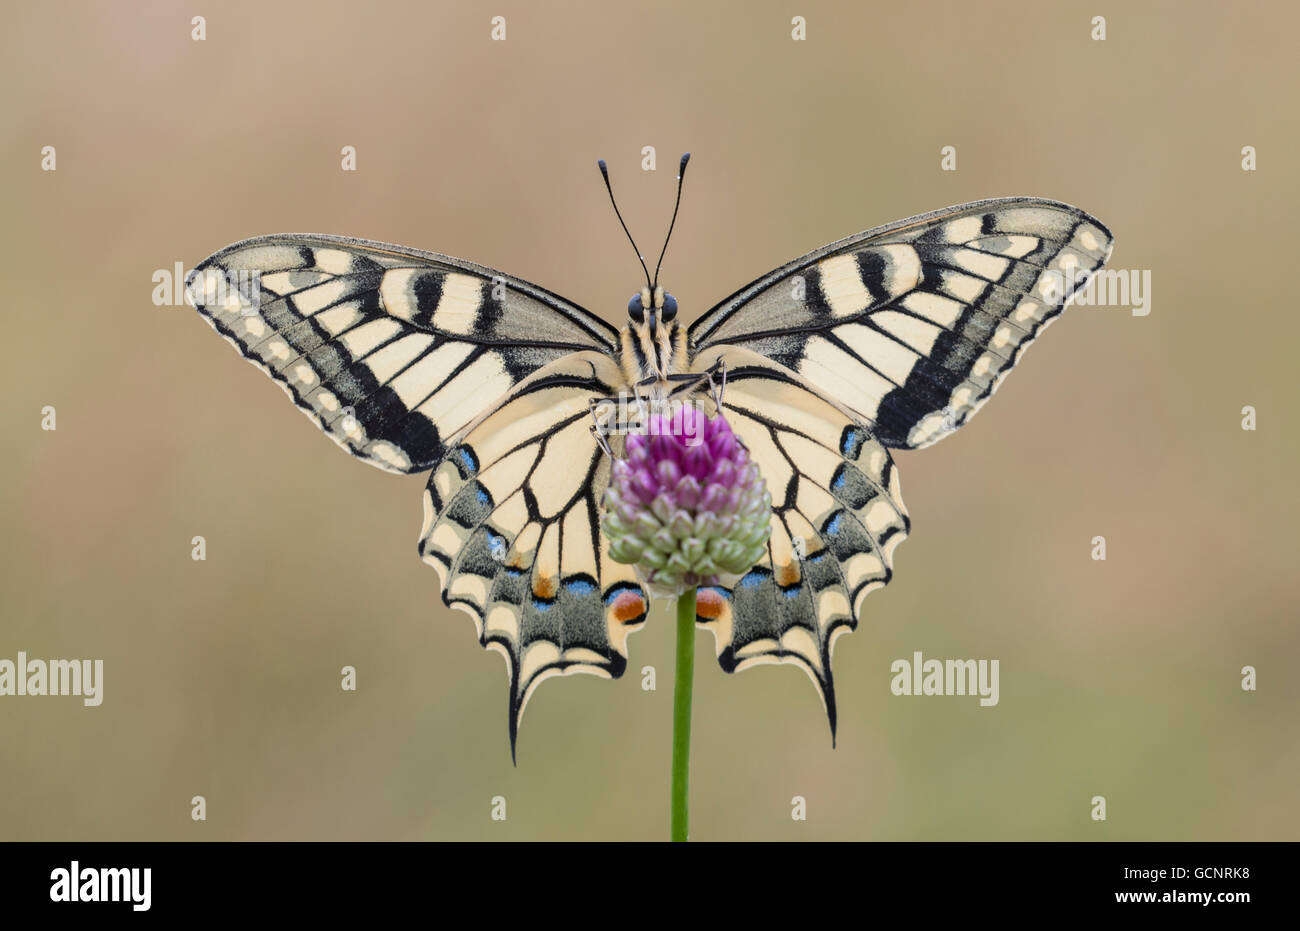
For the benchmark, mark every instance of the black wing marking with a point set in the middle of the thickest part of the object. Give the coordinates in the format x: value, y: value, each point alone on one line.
x: 912, y: 326
x: 391, y: 351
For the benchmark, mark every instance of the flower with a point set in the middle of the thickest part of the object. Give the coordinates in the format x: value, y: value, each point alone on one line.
x: 686, y: 504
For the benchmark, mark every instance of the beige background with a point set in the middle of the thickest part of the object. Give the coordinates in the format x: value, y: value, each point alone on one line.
x: 1118, y: 678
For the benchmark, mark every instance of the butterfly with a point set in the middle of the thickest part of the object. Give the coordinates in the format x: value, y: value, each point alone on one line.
x: 420, y: 363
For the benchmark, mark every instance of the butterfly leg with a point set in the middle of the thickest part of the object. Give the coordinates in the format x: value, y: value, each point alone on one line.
x: 605, y: 410
x: 599, y: 424
x: 642, y: 405
x: 611, y: 415
x: 687, y: 382
x: 602, y: 441
x: 718, y: 388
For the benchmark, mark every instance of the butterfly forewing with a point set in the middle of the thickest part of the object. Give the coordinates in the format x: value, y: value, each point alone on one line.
x: 391, y: 351
x: 912, y: 326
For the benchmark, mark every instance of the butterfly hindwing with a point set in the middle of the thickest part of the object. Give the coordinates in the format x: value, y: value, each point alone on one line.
x: 391, y: 351
x: 837, y: 517
x: 912, y: 326
x: 512, y: 524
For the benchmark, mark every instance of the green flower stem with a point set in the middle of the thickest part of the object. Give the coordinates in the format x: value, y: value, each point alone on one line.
x: 682, y: 713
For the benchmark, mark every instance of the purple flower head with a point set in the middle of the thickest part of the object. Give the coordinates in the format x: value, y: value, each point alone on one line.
x: 686, y: 504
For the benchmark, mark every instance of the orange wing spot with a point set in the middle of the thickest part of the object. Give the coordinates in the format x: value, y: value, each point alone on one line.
x: 710, y: 605
x: 628, y: 606
x: 544, y: 587
x: 787, y: 574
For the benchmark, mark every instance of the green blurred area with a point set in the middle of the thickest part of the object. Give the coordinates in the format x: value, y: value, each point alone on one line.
x: 1118, y: 678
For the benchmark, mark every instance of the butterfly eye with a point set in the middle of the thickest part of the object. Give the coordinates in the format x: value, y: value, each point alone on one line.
x: 635, y: 310
x: 670, y: 306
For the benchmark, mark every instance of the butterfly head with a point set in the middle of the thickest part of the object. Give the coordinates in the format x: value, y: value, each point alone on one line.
x: 652, y: 308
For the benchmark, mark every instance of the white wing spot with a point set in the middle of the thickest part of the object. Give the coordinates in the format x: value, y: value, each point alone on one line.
x: 1025, y: 312
x: 278, y: 349
x: 387, y: 452
x: 1051, y: 285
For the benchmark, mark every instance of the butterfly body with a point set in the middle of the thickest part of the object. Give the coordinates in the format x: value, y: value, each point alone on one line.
x: 419, y: 362
x: 650, y: 359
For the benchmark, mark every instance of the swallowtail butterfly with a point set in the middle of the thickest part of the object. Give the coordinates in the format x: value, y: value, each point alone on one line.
x: 418, y: 362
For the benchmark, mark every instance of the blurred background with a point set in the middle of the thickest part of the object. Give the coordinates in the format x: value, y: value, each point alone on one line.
x: 1119, y: 678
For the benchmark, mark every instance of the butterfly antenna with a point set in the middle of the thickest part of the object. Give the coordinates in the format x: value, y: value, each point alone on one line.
x: 604, y: 173
x: 681, y: 176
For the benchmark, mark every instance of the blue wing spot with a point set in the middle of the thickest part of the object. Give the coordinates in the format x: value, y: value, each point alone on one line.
x: 753, y: 579
x: 543, y: 606
x: 848, y: 440
x: 793, y: 591
x: 838, y: 482
x: 718, y: 589
x: 470, y: 461
x: 579, y: 587
x: 833, y: 525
